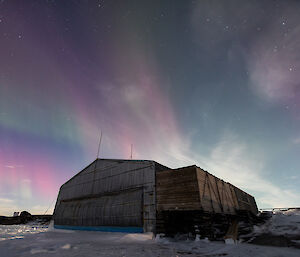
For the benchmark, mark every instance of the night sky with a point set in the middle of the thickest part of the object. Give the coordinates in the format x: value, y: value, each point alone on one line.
x: 211, y: 83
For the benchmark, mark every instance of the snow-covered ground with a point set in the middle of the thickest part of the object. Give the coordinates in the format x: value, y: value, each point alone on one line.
x: 85, y: 243
x: 281, y: 223
x: 33, y: 240
x: 282, y: 229
x: 19, y: 231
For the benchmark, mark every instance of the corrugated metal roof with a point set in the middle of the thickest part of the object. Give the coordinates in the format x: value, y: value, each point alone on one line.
x: 114, y: 160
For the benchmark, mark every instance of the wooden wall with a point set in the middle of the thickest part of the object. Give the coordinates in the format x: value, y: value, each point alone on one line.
x: 177, y: 190
x: 245, y: 201
x: 192, y: 188
x: 216, y: 196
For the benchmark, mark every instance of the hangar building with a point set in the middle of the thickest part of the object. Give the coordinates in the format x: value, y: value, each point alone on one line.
x: 142, y: 195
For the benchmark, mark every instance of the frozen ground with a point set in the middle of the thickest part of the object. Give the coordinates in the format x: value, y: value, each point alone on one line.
x: 19, y: 231
x: 282, y: 229
x: 34, y: 240
x: 92, y: 244
x: 281, y: 223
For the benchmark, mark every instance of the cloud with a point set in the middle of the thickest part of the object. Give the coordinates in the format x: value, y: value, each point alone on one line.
x: 9, y: 166
x: 5, y: 200
x: 25, y: 189
x: 41, y: 209
x: 232, y: 160
x: 274, y: 59
x: 7, y: 207
x: 268, y: 44
x: 296, y: 141
x: 13, y: 166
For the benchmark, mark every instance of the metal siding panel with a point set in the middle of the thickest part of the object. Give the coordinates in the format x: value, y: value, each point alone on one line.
x: 110, y: 176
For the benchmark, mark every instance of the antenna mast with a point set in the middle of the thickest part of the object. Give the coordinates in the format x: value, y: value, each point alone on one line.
x: 98, y: 151
x: 99, y: 145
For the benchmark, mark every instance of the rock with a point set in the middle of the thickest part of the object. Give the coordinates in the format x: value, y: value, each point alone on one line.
x: 25, y: 217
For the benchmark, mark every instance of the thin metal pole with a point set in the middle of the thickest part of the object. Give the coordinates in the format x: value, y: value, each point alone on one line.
x: 94, y: 173
x: 50, y: 205
x: 131, y: 152
x: 99, y: 145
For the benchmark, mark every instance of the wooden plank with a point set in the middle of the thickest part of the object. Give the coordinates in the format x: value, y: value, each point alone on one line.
x: 183, y: 206
x: 215, y: 194
x: 175, y: 179
x: 177, y: 190
x: 177, y: 200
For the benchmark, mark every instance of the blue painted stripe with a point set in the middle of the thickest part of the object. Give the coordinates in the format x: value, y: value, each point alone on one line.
x: 104, y: 229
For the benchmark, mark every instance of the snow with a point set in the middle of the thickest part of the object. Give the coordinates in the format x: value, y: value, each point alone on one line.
x: 66, y: 247
x: 281, y: 223
x: 34, y: 240
x: 39, y: 241
x: 229, y: 241
x: 19, y: 231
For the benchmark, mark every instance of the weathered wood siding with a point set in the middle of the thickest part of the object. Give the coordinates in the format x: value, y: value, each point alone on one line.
x: 177, y: 190
x: 192, y: 188
x: 216, y: 196
x: 109, y: 192
x: 245, y: 201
